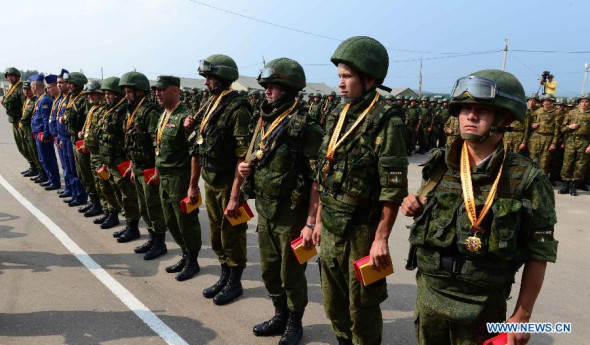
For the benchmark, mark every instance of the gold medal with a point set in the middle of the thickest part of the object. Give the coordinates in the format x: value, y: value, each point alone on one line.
x: 473, y: 244
x: 326, y: 168
x: 200, y: 140
x: 157, y: 151
x: 259, y: 154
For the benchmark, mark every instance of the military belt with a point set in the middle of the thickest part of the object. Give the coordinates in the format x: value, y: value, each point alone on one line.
x: 544, y: 134
x: 455, y: 265
x: 350, y: 200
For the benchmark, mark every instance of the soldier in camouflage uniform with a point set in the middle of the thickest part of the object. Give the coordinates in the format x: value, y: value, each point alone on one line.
x: 532, y: 106
x: 467, y: 262
x: 13, y: 103
x: 327, y: 107
x: 411, y: 123
x: 281, y: 168
x: 221, y: 138
x: 423, y: 129
x: 140, y: 134
x: 451, y: 130
x: 544, y: 133
x: 315, y: 110
x: 576, y: 127
x: 516, y: 137
x: 173, y: 174
x: 362, y: 180
x: 556, y: 162
x: 26, y: 132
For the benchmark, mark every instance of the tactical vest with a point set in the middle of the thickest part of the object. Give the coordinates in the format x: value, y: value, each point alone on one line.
x: 14, y: 103
x: 217, y: 153
x: 91, y: 137
x: 112, y: 135
x: 438, y: 234
x: 76, y: 114
x: 139, y: 143
x: 283, y: 174
x: 353, y: 181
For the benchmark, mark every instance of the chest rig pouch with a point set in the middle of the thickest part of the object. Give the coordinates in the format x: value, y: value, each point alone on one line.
x: 139, y: 143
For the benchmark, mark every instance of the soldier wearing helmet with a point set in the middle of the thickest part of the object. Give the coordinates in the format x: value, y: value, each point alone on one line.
x: 467, y: 254
x: 25, y: 131
x: 281, y: 168
x: 544, y: 136
x: 328, y: 106
x: 412, y: 115
x: 576, y: 127
x: 362, y: 177
x: 533, y: 103
x: 140, y: 126
x: 220, y: 136
x: 315, y: 109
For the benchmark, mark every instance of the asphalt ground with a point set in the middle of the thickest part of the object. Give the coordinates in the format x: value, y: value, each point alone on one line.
x: 63, y: 280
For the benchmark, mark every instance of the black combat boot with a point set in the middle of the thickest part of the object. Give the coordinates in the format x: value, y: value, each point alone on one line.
x: 294, y: 329
x: 566, y: 188
x: 233, y: 289
x: 191, y: 267
x: 95, y: 208
x: 41, y: 178
x: 102, y: 218
x: 75, y: 202
x: 32, y: 172
x: 177, y: 267
x: 344, y: 341
x: 131, y: 233
x: 158, y: 248
x: 214, y: 289
x: 277, y: 324
x: 83, y: 209
x: 583, y: 185
x: 144, y: 248
x: 111, y: 221
x: 574, y: 189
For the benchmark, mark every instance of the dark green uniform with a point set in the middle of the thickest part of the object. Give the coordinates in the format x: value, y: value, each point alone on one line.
x: 173, y: 162
x: 369, y: 168
x: 458, y: 290
x: 412, y: 117
x: 140, y: 135
x: 26, y: 133
x: 423, y: 134
x: 226, y: 138
x: 13, y: 102
x: 282, y: 180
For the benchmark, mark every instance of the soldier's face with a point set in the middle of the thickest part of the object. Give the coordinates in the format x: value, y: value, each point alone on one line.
x: 476, y: 119
x: 61, y: 84
x: 28, y: 93
x: 211, y: 82
x: 350, y: 83
x: 52, y: 89
x: 93, y: 97
x: 547, y: 104
x: 273, y: 92
x: 584, y: 104
x: 71, y: 87
x: 12, y: 78
x: 129, y: 93
x: 111, y: 96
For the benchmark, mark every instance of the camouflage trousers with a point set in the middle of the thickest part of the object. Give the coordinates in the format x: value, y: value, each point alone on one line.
x: 281, y: 272
x: 150, y: 206
x: 18, y: 139
x: 411, y: 138
x: 128, y: 195
x: 106, y: 194
x: 184, y: 228
x: 227, y: 241
x: 512, y: 141
x: 353, y: 309
x: 575, y: 161
x: 539, y: 150
x: 84, y: 169
x: 456, y: 316
x: 29, y: 146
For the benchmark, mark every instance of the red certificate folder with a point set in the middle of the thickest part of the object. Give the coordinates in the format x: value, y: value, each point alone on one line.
x: 123, y: 167
x: 366, y: 274
x: 148, y: 174
x: 303, y: 255
x: 79, y: 145
x: 245, y: 215
x: 500, y: 339
x: 186, y: 206
x: 104, y: 173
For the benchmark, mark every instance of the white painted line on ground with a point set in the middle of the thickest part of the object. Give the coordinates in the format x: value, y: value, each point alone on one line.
x: 135, y: 305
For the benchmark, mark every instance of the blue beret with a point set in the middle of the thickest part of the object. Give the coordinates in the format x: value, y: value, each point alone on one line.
x: 64, y: 73
x: 51, y: 78
x: 37, y: 77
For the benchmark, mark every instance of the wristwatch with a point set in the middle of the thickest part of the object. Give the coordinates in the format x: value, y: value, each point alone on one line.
x: 311, y: 226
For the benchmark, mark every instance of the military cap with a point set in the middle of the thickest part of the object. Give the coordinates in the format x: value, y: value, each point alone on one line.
x: 51, y: 79
x: 164, y: 81
x: 13, y: 71
x: 64, y: 73
x: 27, y: 85
x: 37, y: 77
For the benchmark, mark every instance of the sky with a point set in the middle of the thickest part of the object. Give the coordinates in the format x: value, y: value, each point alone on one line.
x: 451, y: 38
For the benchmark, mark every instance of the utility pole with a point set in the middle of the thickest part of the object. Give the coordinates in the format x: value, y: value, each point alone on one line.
x: 586, y: 67
x: 263, y: 61
x: 420, y: 81
x: 505, y: 54
x: 101, y: 74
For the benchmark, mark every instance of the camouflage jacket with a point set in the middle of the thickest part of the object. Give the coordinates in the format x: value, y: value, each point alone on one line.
x: 581, y: 118
x: 13, y: 102
x: 547, y: 121
x: 368, y: 168
x: 28, y: 109
x: 518, y: 227
x: 111, y: 133
x: 141, y: 125
x: 92, y: 127
x: 75, y: 114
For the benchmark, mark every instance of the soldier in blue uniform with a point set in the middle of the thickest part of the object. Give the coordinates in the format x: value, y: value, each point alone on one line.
x: 40, y: 127
x: 53, y: 123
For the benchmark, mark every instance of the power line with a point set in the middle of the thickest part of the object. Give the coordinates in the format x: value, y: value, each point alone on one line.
x: 522, y: 63
x: 550, y: 51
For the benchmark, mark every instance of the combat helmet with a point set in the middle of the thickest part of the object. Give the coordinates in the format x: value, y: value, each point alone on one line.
x: 364, y: 54
x: 93, y: 86
x: 135, y: 80
x: 76, y: 78
x: 219, y: 65
x: 112, y: 84
x: 13, y: 71
x: 283, y: 71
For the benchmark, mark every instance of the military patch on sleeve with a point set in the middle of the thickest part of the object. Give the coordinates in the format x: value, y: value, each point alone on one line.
x: 241, y: 141
x: 45, y: 106
x: 544, y: 235
x: 394, y: 179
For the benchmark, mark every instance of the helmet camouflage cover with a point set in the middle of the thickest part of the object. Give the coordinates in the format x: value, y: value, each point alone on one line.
x: 364, y: 54
x: 135, y: 80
